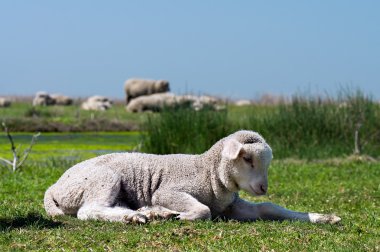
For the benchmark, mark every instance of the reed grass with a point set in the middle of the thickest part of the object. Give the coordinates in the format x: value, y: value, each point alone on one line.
x: 183, y: 130
x: 310, y: 127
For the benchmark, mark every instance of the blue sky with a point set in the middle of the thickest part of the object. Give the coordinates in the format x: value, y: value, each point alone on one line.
x: 237, y: 49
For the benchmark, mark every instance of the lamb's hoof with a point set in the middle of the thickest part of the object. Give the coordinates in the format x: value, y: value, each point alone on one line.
x: 333, y: 219
x: 324, y: 218
x: 135, y: 218
x: 151, y: 215
x: 170, y: 215
x: 158, y: 213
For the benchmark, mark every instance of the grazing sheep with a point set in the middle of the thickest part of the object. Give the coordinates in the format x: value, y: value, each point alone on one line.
x: 136, y: 187
x: 4, y: 102
x: 137, y: 87
x: 97, y: 102
x: 61, y: 100
x: 43, y: 99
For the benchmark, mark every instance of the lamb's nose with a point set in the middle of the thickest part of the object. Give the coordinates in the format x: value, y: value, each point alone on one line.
x: 264, y: 188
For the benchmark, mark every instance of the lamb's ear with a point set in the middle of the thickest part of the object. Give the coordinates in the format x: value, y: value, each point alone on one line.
x: 232, y: 149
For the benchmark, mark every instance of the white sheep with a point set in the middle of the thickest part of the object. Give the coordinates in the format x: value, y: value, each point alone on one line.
x: 243, y: 103
x: 137, y: 87
x: 62, y: 100
x: 154, y: 102
x: 5, y: 102
x: 136, y: 187
x: 199, y: 102
x: 42, y: 98
x: 97, y: 102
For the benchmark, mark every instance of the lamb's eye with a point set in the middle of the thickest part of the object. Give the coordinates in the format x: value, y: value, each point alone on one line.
x: 248, y: 159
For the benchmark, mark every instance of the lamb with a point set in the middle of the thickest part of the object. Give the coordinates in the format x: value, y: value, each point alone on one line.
x: 138, y: 187
x: 137, y: 87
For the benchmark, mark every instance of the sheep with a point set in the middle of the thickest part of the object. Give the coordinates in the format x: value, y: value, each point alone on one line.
x: 97, y: 102
x: 42, y: 98
x: 154, y: 102
x: 138, y: 187
x: 199, y: 102
x: 137, y: 87
x: 61, y: 99
x: 241, y: 103
x: 4, y: 102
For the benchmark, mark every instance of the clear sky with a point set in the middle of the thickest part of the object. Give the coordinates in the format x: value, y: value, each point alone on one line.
x: 237, y: 49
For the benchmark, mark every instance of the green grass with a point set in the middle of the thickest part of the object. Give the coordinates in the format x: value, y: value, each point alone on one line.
x: 309, y: 127
x: 312, y: 142
x: 348, y: 187
x: 23, y: 117
x: 71, y: 146
x: 305, y: 127
x: 183, y: 130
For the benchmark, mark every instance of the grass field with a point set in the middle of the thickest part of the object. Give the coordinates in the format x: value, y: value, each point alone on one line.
x: 347, y: 187
x: 71, y: 146
x: 23, y: 117
x: 313, y: 170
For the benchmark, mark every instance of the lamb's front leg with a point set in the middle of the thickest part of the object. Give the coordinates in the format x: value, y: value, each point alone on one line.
x: 189, y: 208
x: 246, y: 211
x: 96, y: 211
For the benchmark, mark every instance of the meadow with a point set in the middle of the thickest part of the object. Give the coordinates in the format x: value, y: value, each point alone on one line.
x: 314, y: 169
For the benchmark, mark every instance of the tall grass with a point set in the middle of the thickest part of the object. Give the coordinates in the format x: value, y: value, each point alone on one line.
x: 183, y: 130
x: 304, y: 127
x: 312, y: 127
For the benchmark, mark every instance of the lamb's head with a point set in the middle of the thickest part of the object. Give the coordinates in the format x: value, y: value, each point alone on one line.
x: 245, y: 162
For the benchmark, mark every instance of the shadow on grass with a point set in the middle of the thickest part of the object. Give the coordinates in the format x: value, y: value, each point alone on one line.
x: 32, y: 220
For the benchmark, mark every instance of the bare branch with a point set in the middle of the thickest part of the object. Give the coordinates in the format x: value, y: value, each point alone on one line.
x: 17, y: 162
x: 9, y: 137
x: 357, y: 150
x: 5, y: 161
x: 29, y: 149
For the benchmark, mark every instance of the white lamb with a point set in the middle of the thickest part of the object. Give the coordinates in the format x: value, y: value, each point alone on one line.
x: 136, y: 187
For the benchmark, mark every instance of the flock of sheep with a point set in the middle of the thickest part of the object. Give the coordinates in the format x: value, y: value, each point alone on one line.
x: 153, y: 95
x: 141, y: 95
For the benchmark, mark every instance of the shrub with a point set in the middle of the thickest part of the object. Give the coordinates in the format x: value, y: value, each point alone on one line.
x: 37, y: 112
x: 81, y: 125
